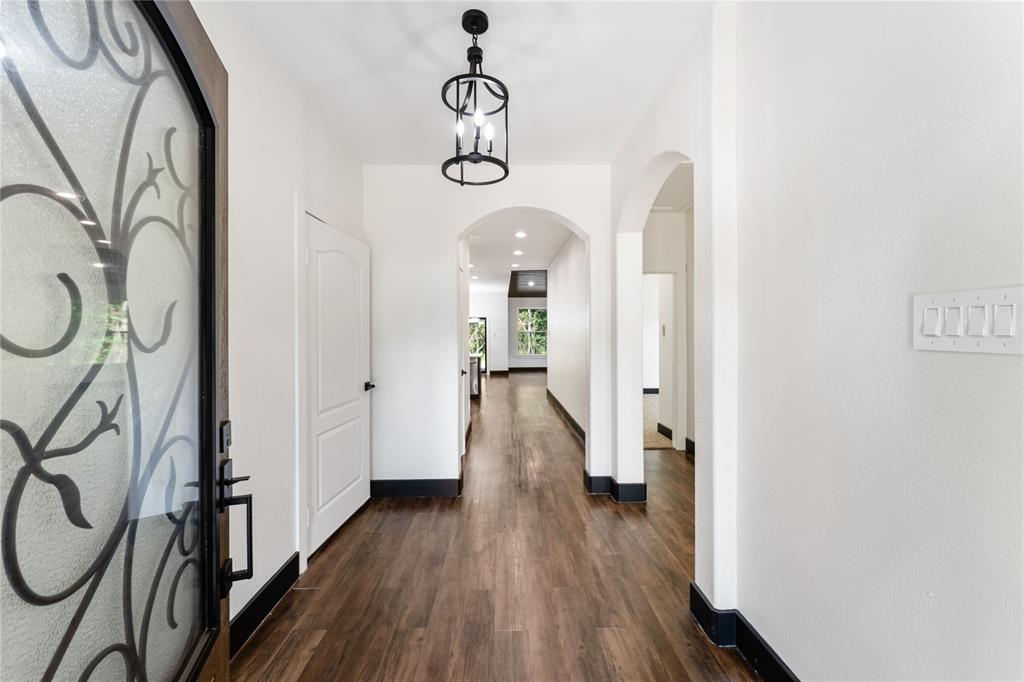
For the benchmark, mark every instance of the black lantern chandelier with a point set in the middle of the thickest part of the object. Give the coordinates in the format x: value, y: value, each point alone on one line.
x: 478, y: 102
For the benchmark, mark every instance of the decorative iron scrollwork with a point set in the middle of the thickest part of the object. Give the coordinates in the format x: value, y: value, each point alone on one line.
x: 110, y: 45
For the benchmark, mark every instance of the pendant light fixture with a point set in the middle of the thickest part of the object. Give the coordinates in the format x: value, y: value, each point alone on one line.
x: 480, y: 105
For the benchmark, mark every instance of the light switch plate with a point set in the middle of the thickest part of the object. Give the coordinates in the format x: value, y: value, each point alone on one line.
x: 977, y: 321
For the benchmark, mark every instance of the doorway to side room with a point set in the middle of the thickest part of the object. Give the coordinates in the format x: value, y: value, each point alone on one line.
x: 667, y: 317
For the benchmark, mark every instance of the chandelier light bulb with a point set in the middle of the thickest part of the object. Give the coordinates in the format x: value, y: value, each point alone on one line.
x: 478, y: 118
x: 489, y: 131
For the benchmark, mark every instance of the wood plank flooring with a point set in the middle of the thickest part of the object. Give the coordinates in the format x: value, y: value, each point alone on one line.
x: 525, y: 577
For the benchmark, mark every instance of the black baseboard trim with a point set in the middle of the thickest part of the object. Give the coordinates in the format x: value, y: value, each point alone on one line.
x: 262, y: 603
x: 620, y: 492
x: 497, y: 371
x: 597, y: 485
x: 728, y: 628
x: 629, y: 492
x: 691, y: 447
x: 417, y: 487
x: 527, y: 369
x: 573, y: 424
x: 650, y: 391
x: 665, y: 431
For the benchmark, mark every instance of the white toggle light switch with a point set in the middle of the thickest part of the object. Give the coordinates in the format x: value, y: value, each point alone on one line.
x: 954, y: 322
x: 930, y: 326
x: 1003, y: 325
x: 977, y: 320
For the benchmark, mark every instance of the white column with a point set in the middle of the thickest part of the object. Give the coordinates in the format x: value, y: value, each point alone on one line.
x: 716, y: 475
x: 629, y: 444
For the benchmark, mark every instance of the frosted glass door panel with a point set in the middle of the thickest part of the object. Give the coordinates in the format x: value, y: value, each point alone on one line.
x: 102, y: 545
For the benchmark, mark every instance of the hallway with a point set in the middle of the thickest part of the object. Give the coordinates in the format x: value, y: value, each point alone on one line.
x: 523, y: 577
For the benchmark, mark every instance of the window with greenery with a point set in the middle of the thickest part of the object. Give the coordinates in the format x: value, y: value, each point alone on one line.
x: 478, y: 340
x: 532, y: 331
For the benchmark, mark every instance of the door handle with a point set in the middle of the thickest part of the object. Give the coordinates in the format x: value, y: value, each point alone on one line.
x: 226, y: 498
x: 229, y: 576
x: 367, y: 386
x: 464, y: 372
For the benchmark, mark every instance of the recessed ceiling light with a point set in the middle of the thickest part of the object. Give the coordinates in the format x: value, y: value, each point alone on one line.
x: 530, y: 283
x: 67, y: 195
x: 517, y: 252
x: 87, y: 222
x: 471, y: 265
x: 520, y: 235
x: 515, y: 265
x: 476, y: 277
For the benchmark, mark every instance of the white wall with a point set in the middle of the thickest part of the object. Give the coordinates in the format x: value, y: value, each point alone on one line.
x: 691, y: 376
x: 414, y: 306
x: 514, y: 359
x: 651, y: 332
x: 879, y: 156
x: 691, y: 119
x: 667, y: 351
x: 569, y: 329
x: 462, y: 332
x: 494, y: 307
x: 278, y: 147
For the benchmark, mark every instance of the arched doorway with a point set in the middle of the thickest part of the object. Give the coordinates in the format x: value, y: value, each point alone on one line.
x: 527, y: 271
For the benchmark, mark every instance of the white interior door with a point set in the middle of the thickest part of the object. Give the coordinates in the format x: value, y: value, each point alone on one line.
x: 338, y: 334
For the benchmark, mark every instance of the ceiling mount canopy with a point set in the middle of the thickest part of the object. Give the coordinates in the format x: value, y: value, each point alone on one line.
x: 480, y: 105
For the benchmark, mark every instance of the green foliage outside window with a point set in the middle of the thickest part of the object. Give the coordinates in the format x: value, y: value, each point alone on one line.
x: 532, y: 331
x: 478, y: 341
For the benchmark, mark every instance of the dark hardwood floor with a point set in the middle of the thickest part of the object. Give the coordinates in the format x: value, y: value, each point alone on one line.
x: 525, y: 577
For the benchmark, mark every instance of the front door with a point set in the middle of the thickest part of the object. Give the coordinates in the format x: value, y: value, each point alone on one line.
x: 338, y: 328
x: 112, y: 368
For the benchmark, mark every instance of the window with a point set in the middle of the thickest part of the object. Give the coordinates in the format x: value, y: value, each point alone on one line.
x: 532, y: 331
x: 478, y: 340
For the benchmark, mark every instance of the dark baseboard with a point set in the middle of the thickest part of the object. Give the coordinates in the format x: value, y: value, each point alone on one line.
x: 650, y: 391
x: 597, y: 485
x: 573, y: 424
x: 497, y: 371
x: 262, y: 603
x: 629, y: 492
x: 691, y: 447
x: 527, y: 369
x: 417, y: 487
x: 728, y: 628
x: 620, y: 492
x: 469, y: 433
x: 665, y: 431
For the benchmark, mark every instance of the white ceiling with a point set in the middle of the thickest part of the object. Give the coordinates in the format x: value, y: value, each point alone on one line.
x: 492, y: 242
x: 580, y: 74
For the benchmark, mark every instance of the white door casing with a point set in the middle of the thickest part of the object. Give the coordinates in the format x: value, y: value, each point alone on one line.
x: 338, y: 365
